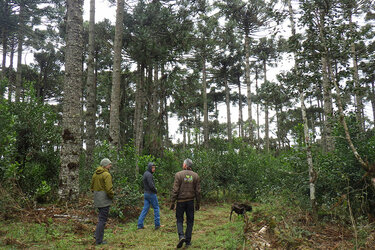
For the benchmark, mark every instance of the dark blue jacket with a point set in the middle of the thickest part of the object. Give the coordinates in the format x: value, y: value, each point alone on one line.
x: 148, y: 180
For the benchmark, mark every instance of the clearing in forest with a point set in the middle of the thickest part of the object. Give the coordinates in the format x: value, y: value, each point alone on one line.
x: 267, y: 227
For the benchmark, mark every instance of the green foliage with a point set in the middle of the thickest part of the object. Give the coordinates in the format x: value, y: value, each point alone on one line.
x: 7, y: 136
x: 42, y: 191
x: 30, y: 138
x: 127, y: 196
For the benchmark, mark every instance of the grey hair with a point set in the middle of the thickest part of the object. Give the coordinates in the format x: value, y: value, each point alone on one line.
x: 188, y: 162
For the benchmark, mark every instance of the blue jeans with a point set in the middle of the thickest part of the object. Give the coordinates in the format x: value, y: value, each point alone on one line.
x: 150, y: 199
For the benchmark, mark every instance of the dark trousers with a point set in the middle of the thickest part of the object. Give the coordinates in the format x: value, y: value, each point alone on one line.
x: 188, y: 208
x: 102, y: 219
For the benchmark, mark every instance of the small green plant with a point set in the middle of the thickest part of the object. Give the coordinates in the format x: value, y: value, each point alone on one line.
x: 42, y: 191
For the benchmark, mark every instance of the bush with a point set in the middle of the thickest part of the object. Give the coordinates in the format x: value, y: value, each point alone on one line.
x: 30, y: 137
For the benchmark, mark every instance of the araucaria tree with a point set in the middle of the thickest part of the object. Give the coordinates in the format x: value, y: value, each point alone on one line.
x: 71, y: 119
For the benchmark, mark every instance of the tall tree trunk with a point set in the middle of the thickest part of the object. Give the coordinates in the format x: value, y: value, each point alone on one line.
x: 248, y: 85
x: 4, y: 33
x: 278, y: 127
x: 357, y: 84
x: 91, y: 91
x: 240, y: 119
x: 205, y: 105
x: 197, y: 131
x: 114, y: 123
x: 136, y: 109
x: 154, y: 125
x: 258, y: 120
x: 139, y: 108
x: 369, y: 169
x: 372, y: 97
x: 312, y: 172
x: 266, y: 118
x: 71, y: 119
x: 227, y: 101
x: 20, y: 37
x: 163, y: 106
x: 266, y: 128
x: 11, y: 70
x: 3, y: 66
x: 327, y: 96
x: 184, y: 127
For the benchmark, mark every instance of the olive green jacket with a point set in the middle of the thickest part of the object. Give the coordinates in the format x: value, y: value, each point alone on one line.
x: 101, y: 185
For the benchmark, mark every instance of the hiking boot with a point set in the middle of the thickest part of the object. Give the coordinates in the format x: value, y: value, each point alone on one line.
x: 140, y: 228
x: 158, y: 227
x: 187, y: 244
x: 181, y: 242
x: 102, y: 243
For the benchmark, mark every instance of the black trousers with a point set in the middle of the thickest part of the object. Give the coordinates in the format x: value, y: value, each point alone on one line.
x: 102, y: 219
x: 182, y: 208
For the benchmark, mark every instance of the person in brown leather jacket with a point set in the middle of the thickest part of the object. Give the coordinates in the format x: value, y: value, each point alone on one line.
x: 186, y: 189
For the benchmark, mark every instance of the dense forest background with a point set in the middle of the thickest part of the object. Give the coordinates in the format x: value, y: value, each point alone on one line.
x: 98, y: 89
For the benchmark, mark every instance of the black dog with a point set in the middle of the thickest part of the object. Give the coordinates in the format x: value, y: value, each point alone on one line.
x: 240, y: 208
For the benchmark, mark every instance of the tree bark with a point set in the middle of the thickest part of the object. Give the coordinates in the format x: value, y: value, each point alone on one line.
x: 266, y: 118
x: 364, y: 164
x: 357, y: 84
x: 205, y: 105
x: 91, y: 91
x: 327, y: 96
x: 372, y: 97
x: 114, y: 123
x: 11, y: 70
x: 20, y: 38
x: 240, y: 119
x: 258, y: 120
x: 248, y: 85
x: 139, y: 111
x: 4, y: 32
x: 71, y: 119
x: 3, y: 66
x: 154, y: 124
x: 227, y: 101
x: 184, y: 127
x: 312, y: 172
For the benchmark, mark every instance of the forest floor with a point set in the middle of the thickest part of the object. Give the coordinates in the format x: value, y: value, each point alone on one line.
x: 51, y: 227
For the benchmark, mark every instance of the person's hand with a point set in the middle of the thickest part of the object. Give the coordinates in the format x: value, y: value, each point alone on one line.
x: 197, y: 206
x: 172, y: 206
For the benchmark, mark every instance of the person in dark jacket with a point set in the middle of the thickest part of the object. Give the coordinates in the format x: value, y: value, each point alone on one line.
x: 150, y: 197
x: 186, y: 189
x: 101, y: 185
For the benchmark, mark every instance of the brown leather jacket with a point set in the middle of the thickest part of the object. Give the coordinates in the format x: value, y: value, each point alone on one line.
x: 186, y: 187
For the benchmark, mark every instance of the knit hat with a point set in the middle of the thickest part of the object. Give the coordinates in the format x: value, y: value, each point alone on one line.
x: 105, y: 162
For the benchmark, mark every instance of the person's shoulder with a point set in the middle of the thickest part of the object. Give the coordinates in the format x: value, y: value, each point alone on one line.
x: 106, y: 174
x: 180, y: 172
x: 195, y: 173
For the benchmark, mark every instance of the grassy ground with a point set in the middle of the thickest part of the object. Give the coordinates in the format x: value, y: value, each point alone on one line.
x: 272, y: 225
x: 212, y: 230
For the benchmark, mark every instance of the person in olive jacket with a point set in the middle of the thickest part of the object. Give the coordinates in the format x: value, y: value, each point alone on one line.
x: 186, y: 188
x: 101, y: 185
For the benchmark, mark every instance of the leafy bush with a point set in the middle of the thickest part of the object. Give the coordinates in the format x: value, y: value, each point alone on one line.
x: 30, y: 134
